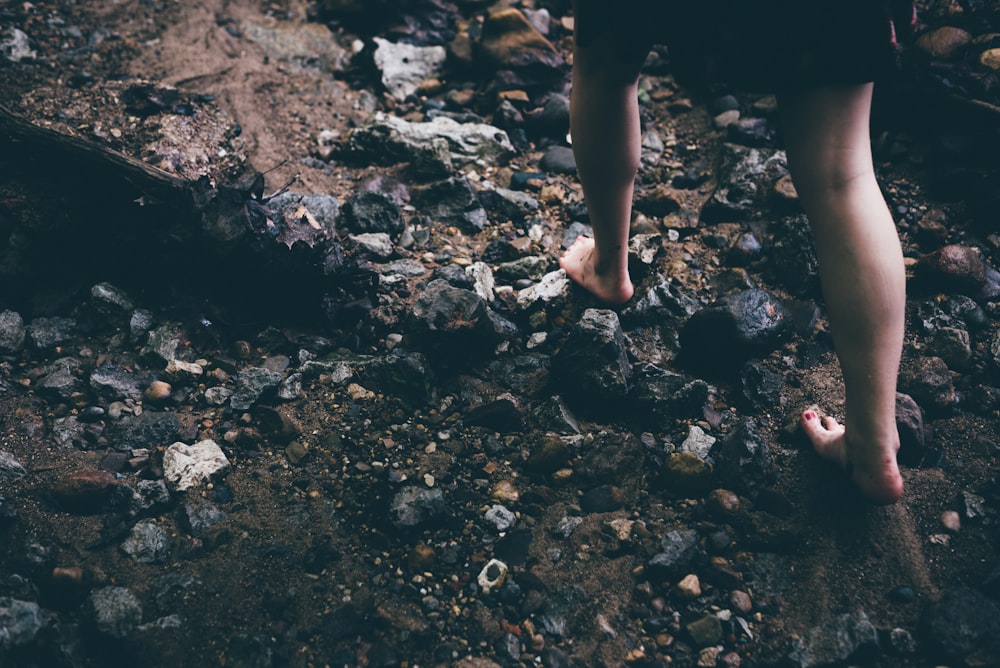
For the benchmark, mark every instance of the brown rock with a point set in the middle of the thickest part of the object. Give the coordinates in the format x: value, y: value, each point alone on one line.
x: 421, y: 558
x: 740, y: 600
x: 157, y: 392
x: 951, y: 521
x: 510, y: 42
x: 954, y: 267
x: 84, y: 491
x: 944, y: 42
x: 991, y: 59
x: 690, y: 587
x: 723, y: 503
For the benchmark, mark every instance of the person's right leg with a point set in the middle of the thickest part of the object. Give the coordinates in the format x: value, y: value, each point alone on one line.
x: 827, y: 139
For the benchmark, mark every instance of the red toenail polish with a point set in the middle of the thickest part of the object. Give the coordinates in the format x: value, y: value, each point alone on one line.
x: 810, y: 415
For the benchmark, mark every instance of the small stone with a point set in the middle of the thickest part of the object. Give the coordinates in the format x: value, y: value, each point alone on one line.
x: 421, y: 558
x: 158, y: 391
x: 902, y: 594
x: 690, y: 587
x: 116, y: 610
x: 505, y: 491
x: 185, y: 466
x: 602, y: 499
x: 705, y: 632
x: 741, y: 601
x: 709, y: 657
x: 723, y: 503
x: 991, y: 59
x: 492, y: 575
x: 85, y: 491
x: 944, y: 42
x: 296, y: 452
x: 500, y: 517
x: 951, y: 521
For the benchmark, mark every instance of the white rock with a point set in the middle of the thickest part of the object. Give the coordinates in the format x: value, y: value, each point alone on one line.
x: 697, y: 443
x: 553, y: 286
x: 177, y: 367
x: 15, y: 47
x: 492, y: 575
x: 404, y: 66
x: 482, y: 280
x: 185, y: 466
x: 378, y: 244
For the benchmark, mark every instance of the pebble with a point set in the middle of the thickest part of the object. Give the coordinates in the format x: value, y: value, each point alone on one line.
x: 158, y: 391
x: 690, y: 587
x: 951, y: 521
x: 505, y: 491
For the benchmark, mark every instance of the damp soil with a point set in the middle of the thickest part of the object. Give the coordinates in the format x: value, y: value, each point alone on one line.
x: 308, y: 569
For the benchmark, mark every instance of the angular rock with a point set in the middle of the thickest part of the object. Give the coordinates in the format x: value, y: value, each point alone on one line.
x: 742, y: 458
x: 415, y: 506
x: 678, y: 550
x: 20, y: 623
x: 405, y: 66
x: 113, y: 383
x: 453, y: 321
x: 453, y: 202
x: 510, y: 42
x: 910, y: 425
x: 953, y: 268
x: 12, y: 331
x: 163, y: 344
x: 837, y: 640
x: 147, y: 543
x: 745, y: 177
x: 372, y: 211
x: 552, y: 291
x: 147, y: 430
x: 405, y: 376
x: 10, y: 467
x: 325, y: 209
x: 61, y: 380
x: 593, y: 362
x: 185, y: 466
x: 197, y: 517
x: 47, y: 333
x: 389, y: 139
x: 553, y: 415
x: 931, y: 384
x: 793, y: 256
x: 116, y: 611
x: 660, y: 396
x: 252, y: 384
x: 659, y: 304
x: 507, y: 204
x: 738, y: 326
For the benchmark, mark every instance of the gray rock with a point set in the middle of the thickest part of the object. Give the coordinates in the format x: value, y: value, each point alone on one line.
x: 251, y: 385
x: 404, y: 66
x: 108, y: 307
x: 553, y: 415
x: 406, y: 376
x: 47, y: 333
x: 69, y: 431
x: 113, y: 383
x: 141, y: 322
x: 793, y: 256
x: 197, y: 517
x: 116, y: 611
x: 376, y: 244
x: 697, y: 443
x: 660, y: 303
x: 483, y: 283
x: 508, y: 204
x: 15, y: 45
x: 532, y: 267
x: 162, y: 344
x: 910, y: 425
x: 834, y: 641
x: 742, y: 457
x: 20, y: 622
x: 324, y: 208
x: 659, y: 397
x: 12, y: 331
x: 150, y: 495
x: 10, y: 467
x: 415, y: 506
x: 453, y: 202
x: 558, y: 159
x: 147, y: 430
x: 593, y: 361
x: 393, y: 139
x: 678, y: 549
x: 61, y: 380
x: 567, y: 526
x: 147, y: 543
x: 952, y: 345
x: 372, y: 211
x: 734, y: 329
x: 500, y: 517
x: 552, y: 291
x: 451, y: 320
x: 931, y: 384
x: 552, y: 120
x: 290, y: 388
x: 524, y: 375
x: 745, y: 177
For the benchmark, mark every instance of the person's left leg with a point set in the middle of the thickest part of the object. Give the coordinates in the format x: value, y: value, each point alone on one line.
x: 604, y: 124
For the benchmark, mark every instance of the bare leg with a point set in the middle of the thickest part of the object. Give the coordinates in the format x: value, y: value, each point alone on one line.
x: 604, y: 118
x: 861, y: 269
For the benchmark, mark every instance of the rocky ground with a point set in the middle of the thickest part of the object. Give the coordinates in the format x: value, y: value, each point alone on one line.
x: 352, y: 414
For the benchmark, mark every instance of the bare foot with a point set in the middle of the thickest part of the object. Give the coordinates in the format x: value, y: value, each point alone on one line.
x: 873, y: 470
x: 578, y: 263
